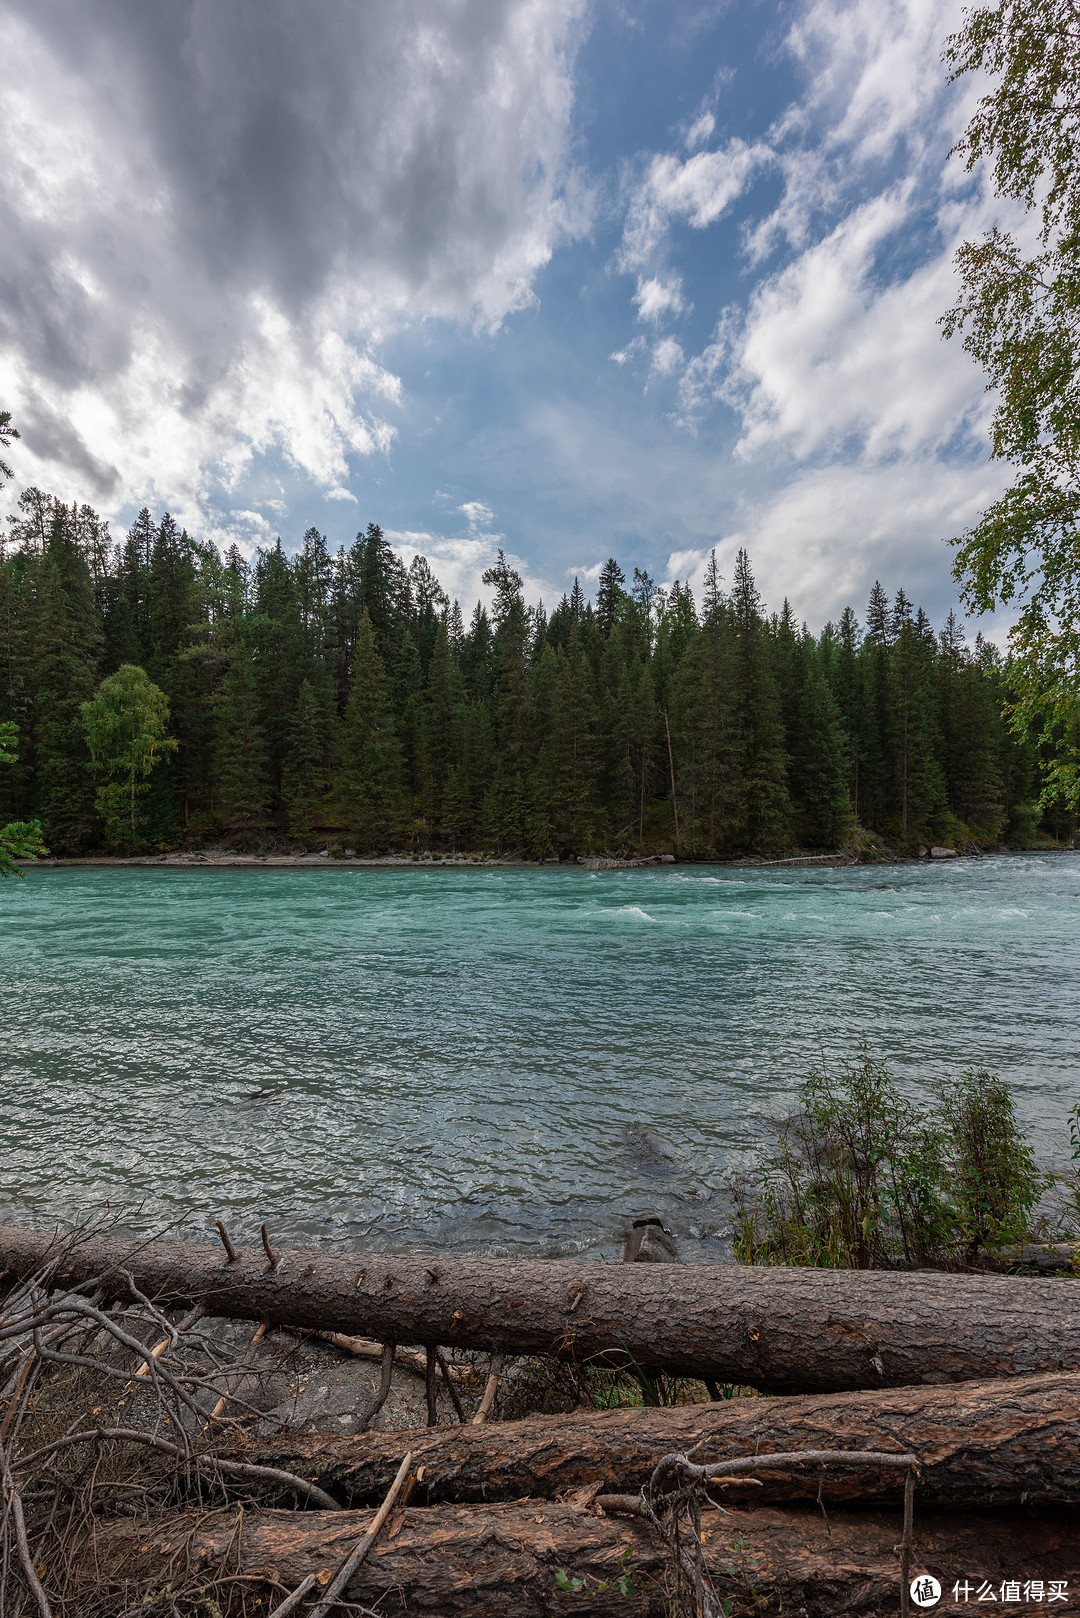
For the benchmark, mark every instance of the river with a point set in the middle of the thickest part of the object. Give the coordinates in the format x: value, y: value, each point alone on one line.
x: 500, y: 1059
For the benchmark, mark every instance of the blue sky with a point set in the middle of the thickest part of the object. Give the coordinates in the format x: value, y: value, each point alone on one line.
x: 575, y: 279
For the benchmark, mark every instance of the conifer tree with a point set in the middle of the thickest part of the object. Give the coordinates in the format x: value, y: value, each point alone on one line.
x: 240, y: 775
x: 969, y: 746
x: 306, y: 766
x: 757, y: 724
x: 920, y: 787
x: 702, y: 723
x: 371, y: 774
x: 65, y: 676
x: 821, y: 764
x: 438, y: 743
x: 512, y: 687
x: 609, y: 596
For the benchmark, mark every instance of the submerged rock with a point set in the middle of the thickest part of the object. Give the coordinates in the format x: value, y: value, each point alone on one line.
x: 649, y: 1243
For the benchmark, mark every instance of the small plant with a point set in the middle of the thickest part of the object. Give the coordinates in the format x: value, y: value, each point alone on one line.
x: 1074, y: 1143
x: 625, y: 1581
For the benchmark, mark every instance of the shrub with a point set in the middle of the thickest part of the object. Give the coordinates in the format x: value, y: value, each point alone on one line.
x: 862, y: 1178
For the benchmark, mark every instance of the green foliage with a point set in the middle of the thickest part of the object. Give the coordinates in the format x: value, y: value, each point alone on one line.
x: 1018, y: 313
x: 7, y: 434
x: 306, y: 767
x: 126, y: 727
x: 19, y: 839
x: 1074, y: 1153
x: 342, y: 697
x: 625, y: 1582
x: 372, y: 753
x: 63, y: 672
x: 862, y: 1178
x: 240, y: 764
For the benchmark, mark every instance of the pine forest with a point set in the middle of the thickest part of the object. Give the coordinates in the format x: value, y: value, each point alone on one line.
x: 167, y: 695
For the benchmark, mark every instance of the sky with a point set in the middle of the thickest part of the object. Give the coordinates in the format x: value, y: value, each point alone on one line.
x: 570, y: 278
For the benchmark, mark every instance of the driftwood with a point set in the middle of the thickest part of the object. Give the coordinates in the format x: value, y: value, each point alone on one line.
x: 781, y: 1330
x: 505, y: 1561
x: 986, y: 1443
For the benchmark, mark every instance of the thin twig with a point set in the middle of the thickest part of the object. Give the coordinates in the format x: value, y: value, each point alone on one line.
x: 158, y: 1349
x: 226, y: 1243
x: 355, y: 1558
x: 383, y: 1394
x: 215, y: 1414
x: 429, y: 1384
x: 13, y: 1503
x: 491, y: 1388
x: 271, y: 1255
x: 242, y: 1469
x: 782, y: 1461
x: 448, y: 1380
x: 292, y: 1602
x: 905, y: 1544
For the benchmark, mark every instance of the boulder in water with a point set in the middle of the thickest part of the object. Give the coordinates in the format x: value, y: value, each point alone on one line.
x: 649, y: 1243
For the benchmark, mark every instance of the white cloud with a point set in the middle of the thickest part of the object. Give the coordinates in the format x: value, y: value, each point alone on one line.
x: 700, y: 131
x: 829, y: 532
x: 667, y: 356
x: 695, y: 192
x: 656, y: 297
x: 477, y: 515
x: 829, y: 360
x: 622, y: 356
x: 339, y: 493
x: 460, y: 562
x: 253, y: 519
x: 213, y: 215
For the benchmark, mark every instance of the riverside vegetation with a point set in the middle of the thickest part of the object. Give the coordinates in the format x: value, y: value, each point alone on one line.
x: 861, y: 1177
x: 164, y: 693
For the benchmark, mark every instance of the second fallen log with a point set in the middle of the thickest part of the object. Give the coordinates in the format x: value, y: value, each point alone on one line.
x: 781, y: 1330
x: 986, y: 1443
x: 521, y: 1560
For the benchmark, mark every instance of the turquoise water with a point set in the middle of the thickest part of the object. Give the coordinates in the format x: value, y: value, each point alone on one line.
x: 500, y: 1059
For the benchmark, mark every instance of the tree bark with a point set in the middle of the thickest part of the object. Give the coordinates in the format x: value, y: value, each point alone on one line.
x: 781, y: 1330
x: 502, y: 1561
x: 986, y: 1443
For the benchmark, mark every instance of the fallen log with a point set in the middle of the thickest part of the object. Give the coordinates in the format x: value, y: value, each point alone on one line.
x: 521, y: 1560
x: 985, y: 1443
x: 782, y: 1330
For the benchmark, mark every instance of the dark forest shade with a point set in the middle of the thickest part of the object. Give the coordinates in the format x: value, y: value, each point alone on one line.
x: 322, y: 697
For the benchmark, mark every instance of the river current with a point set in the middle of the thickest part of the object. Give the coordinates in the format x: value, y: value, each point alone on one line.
x: 499, y: 1059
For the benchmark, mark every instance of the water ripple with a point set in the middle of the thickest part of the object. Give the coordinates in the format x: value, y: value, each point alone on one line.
x: 512, y: 1060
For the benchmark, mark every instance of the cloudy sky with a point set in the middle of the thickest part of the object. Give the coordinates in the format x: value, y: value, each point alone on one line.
x: 572, y: 277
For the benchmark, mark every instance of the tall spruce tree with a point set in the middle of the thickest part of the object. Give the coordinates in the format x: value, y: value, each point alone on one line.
x: 240, y: 773
x: 65, y: 676
x: 372, y: 770
x: 306, y: 769
x: 757, y: 723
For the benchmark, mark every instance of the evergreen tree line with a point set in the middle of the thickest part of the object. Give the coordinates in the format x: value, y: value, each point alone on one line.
x: 341, y: 697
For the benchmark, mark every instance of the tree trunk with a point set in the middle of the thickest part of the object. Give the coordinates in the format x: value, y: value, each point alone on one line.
x: 781, y: 1330
x: 987, y: 1443
x: 503, y: 1561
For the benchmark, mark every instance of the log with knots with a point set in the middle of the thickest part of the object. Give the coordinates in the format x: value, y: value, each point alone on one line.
x: 921, y: 1424
x: 773, y: 1329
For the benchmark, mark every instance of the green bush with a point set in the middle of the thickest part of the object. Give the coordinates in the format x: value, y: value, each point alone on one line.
x: 862, y: 1178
